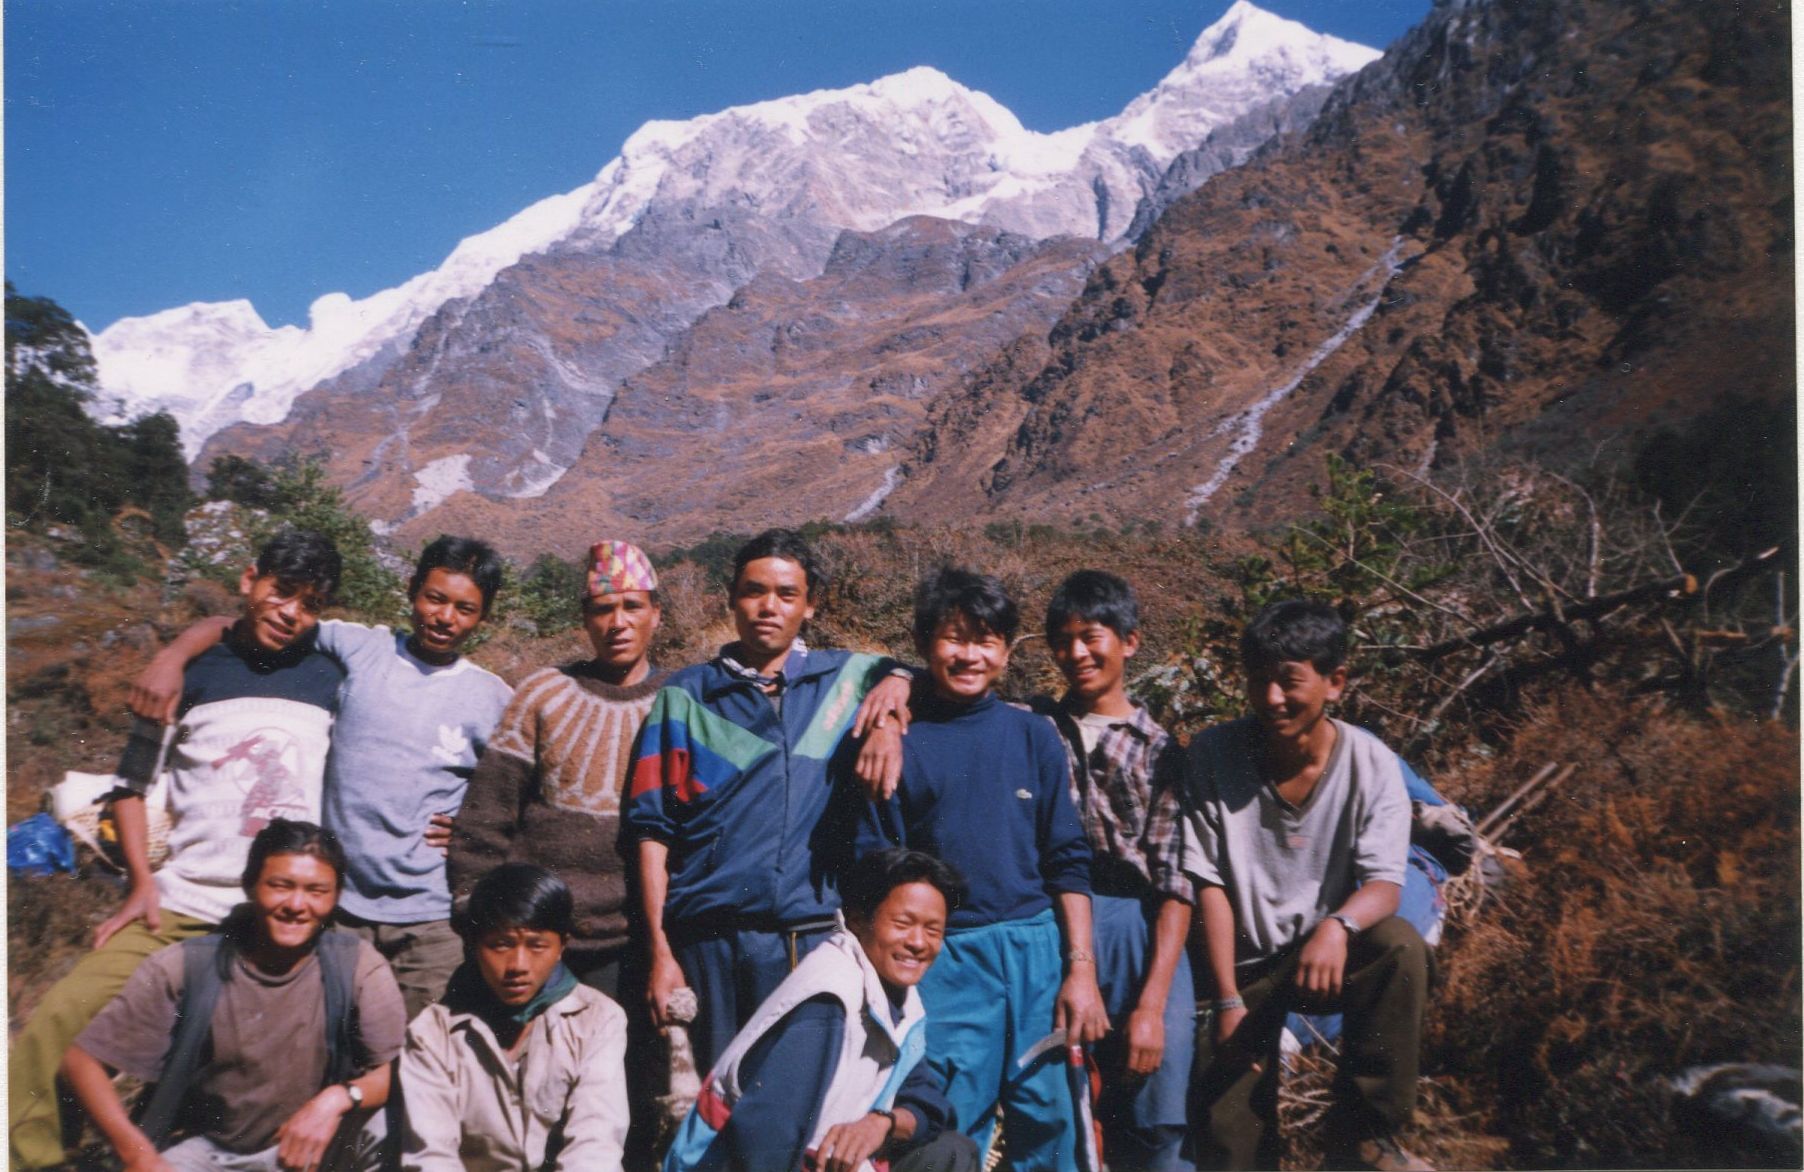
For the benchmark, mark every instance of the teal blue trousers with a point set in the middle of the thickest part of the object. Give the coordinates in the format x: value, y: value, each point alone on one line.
x: 990, y: 997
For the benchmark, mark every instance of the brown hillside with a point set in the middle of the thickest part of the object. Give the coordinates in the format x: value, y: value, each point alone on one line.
x: 1588, y: 208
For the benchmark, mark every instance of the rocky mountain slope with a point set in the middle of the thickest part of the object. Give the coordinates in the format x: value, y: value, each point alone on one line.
x: 796, y: 399
x: 1538, y: 225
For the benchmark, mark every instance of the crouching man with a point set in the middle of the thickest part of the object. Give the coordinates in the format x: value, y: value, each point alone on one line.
x: 1296, y: 838
x: 828, y: 1075
x: 269, y: 1041
x: 519, y: 1066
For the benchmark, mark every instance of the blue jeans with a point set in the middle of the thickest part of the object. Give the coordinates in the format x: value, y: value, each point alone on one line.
x: 732, y: 972
x: 1143, y: 1120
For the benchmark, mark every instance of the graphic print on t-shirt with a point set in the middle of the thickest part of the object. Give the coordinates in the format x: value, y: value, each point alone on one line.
x: 264, y: 767
x: 453, y: 746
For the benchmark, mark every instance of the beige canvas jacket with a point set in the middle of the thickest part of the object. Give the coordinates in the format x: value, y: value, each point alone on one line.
x: 562, y: 1106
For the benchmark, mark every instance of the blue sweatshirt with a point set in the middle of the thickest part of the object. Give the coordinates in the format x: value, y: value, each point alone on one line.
x: 987, y: 788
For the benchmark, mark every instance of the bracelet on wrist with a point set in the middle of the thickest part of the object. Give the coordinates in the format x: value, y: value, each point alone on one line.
x: 1079, y: 956
x: 887, y: 1114
x: 1223, y: 1004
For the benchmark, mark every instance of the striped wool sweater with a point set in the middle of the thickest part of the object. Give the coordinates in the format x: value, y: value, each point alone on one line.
x: 548, y: 791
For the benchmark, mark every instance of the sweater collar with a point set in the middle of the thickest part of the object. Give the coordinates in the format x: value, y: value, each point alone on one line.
x: 934, y: 708
x: 584, y: 674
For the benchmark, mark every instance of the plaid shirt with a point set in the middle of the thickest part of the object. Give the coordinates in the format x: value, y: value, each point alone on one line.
x: 1127, y: 792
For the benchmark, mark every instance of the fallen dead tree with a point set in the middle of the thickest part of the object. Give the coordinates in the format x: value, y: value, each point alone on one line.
x: 1557, y: 617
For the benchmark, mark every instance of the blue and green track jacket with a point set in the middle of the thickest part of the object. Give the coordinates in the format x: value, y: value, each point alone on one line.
x: 749, y: 801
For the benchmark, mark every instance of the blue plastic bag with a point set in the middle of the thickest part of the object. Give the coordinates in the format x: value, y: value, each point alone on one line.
x: 39, y: 846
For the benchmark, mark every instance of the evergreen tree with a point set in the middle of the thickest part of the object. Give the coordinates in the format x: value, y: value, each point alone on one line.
x: 62, y: 466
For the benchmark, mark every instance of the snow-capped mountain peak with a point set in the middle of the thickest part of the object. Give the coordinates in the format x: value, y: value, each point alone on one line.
x: 1245, y: 57
x: 861, y: 157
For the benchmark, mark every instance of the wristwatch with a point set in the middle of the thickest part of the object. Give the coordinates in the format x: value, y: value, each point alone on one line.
x: 1347, y: 922
x: 356, y: 1093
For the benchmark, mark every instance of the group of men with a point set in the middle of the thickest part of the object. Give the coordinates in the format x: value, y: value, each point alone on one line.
x: 1019, y: 884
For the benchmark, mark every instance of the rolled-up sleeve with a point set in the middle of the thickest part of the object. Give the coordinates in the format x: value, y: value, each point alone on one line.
x: 1163, y: 840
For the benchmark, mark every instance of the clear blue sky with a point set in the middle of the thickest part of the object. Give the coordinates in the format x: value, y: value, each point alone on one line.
x: 166, y: 151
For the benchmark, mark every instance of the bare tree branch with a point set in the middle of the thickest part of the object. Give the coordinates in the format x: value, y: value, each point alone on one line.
x: 1680, y: 584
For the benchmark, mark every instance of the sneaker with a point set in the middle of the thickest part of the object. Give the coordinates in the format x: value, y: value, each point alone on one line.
x: 1384, y: 1154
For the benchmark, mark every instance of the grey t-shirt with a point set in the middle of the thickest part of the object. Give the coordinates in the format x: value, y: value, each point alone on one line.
x: 1286, y: 868
x: 406, y: 742
x: 268, y: 1052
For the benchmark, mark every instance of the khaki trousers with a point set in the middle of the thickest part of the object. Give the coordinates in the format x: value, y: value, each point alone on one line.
x: 66, y: 1010
x: 1382, y: 995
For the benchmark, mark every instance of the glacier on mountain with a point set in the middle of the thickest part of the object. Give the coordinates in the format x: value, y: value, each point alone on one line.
x: 863, y: 157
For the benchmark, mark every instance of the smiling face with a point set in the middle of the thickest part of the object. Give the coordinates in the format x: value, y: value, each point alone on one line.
x: 904, y: 934
x: 277, y: 612
x: 447, y: 609
x: 964, y: 659
x: 620, y: 629
x: 516, y: 962
x: 1290, y: 698
x: 1093, y: 659
x: 770, y: 604
x: 293, y: 898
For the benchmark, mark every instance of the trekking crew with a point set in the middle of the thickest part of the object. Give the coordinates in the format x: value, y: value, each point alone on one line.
x: 628, y: 832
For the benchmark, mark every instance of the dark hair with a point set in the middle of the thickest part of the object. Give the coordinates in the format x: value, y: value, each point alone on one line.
x: 460, y: 555
x: 979, y: 597
x: 868, y: 882
x: 781, y: 543
x: 285, y: 837
x: 1094, y: 596
x: 1292, y: 631
x: 518, y: 895
x: 304, y: 558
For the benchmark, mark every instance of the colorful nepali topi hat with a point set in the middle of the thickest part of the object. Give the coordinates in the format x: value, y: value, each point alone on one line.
x: 616, y: 567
